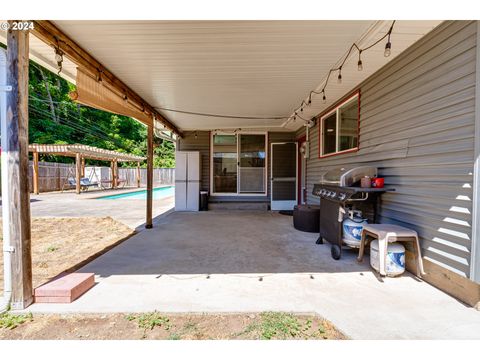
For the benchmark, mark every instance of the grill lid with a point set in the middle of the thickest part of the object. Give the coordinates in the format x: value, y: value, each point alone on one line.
x: 348, y: 176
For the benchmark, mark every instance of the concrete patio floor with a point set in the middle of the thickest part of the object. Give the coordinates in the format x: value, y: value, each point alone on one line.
x: 68, y: 204
x: 217, y: 262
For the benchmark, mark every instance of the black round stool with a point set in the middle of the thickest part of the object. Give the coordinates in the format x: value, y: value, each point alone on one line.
x: 306, y: 218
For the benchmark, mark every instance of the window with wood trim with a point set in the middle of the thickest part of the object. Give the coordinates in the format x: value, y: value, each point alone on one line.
x: 339, y: 128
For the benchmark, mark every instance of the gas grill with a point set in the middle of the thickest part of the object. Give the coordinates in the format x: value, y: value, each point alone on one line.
x: 338, y: 189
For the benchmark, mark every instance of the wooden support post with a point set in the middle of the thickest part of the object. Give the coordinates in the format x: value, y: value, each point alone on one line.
x: 36, y: 189
x: 148, y: 223
x: 138, y: 173
x: 83, y: 167
x: 15, y: 191
x: 114, y: 174
x: 78, y: 170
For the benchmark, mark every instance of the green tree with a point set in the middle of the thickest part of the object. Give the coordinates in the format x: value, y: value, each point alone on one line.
x: 55, y: 119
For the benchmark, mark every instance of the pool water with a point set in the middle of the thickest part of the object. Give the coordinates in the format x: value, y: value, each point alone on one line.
x: 158, y: 193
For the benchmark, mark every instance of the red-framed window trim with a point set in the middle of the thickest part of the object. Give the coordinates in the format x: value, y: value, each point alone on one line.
x: 327, y: 112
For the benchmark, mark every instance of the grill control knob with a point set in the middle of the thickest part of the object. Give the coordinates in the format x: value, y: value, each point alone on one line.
x: 342, y: 196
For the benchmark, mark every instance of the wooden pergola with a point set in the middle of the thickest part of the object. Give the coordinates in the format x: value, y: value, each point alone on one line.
x: 80, y: 153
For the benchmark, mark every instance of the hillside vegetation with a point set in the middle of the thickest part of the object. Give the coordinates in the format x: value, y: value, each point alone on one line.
x: 55, y: 119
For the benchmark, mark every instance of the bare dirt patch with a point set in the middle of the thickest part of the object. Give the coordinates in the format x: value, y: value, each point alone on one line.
x: 60, y: 244
x: 174, y: 327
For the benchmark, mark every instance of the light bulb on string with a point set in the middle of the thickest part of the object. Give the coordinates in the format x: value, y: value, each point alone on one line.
x: 324, y: 98
x: 339, y: 78
x: 388, y: 47
x: 360, y: 64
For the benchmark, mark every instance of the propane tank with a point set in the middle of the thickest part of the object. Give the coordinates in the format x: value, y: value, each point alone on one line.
x: 352, y: 228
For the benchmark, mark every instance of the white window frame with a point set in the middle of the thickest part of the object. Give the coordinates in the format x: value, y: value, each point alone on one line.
x: 337, y: 139
x: 237, y: 133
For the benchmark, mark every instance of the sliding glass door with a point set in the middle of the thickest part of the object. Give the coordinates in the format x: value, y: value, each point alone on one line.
x: 239, y: 164
x: 224, y: 163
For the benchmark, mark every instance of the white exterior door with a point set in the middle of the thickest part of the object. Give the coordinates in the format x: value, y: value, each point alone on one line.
x: 284, y: 169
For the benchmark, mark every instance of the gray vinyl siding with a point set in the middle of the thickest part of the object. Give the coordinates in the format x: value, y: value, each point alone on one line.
x: 202, y: 143
x: 417, y: 127
x: 198, y: 141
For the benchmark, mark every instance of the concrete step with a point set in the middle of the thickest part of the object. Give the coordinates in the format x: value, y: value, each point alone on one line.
x: 238, y: 205
x: 65, y: 289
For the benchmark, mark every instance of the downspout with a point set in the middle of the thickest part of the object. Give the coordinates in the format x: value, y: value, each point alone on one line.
x: 7, y: 251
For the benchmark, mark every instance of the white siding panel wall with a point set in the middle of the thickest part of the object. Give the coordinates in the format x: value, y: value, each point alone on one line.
x: 417, y: 127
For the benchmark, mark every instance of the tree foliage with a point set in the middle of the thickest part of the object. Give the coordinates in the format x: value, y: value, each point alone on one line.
x: 55, y: 119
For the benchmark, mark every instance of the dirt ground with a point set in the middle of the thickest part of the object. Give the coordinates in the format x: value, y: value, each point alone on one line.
x: 172, y: 327
x: 58, y: 244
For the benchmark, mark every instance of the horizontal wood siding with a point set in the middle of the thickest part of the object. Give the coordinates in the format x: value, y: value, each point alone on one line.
x: 417, y: 127
x: 198, y: 141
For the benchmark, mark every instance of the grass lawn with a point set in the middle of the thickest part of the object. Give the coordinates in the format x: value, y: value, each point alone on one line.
x: 58, y: 244
x: 155, y: 325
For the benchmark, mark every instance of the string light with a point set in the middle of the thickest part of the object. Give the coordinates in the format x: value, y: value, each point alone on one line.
x: 360, y: 64
x: 59, y: 59
x: 388, y: 48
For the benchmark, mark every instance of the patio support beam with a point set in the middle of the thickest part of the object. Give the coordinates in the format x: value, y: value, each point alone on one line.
x: 83, y: 167
x: 78, y: 170
x: 51, y: 35
x: 36, y: 190
x: 148, y: 223
x: 115, y: 174
x: 16, y: 194
x: 138, y: 173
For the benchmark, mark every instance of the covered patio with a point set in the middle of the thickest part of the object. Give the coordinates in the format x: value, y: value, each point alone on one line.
x: 254, y: 262
x: 233, y: 108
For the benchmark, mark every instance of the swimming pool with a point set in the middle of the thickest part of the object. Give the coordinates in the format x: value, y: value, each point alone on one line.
x: 158, y: 193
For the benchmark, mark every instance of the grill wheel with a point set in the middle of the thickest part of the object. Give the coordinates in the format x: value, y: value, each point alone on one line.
x: 336, y: 251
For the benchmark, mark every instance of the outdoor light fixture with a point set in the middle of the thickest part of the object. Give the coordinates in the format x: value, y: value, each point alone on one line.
x: 354, y: 46
x: 388, y: 48
x: 360, y: 65
x: 59, y: 59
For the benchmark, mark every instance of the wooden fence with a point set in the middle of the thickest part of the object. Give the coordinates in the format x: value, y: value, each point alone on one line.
x: 53, y: 176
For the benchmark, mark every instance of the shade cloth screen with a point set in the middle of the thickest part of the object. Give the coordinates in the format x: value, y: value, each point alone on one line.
x: 92, y: 93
